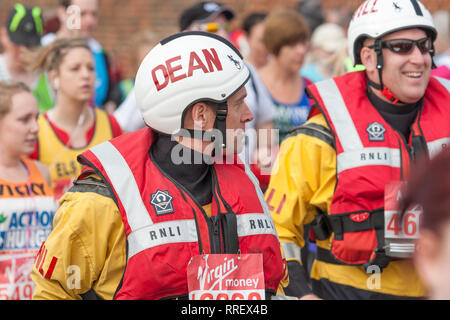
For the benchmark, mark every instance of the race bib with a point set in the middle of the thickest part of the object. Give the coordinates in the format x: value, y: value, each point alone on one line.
x: 226, y: 277
x: 408, y: 227
x: 15, y: 280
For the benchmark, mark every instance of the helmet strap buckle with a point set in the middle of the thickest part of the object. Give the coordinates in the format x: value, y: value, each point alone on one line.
x: 384, y: 91
x: 389, y: 95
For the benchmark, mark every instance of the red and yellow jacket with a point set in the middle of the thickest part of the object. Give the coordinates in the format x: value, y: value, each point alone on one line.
x: 333, y: 165
x: 160, y: 222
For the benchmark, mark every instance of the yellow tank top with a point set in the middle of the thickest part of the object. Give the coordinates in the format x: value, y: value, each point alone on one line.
x: 26, y: 217
x: 61, y: 159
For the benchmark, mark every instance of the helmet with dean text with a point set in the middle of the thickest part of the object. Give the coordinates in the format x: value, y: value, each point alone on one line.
x: 183, y: 69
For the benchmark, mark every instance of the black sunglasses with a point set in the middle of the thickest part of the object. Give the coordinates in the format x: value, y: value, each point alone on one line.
x: 405, y: 46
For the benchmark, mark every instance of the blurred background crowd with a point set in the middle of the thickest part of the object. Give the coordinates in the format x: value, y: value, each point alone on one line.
x: 119, y: 22
x: 287, y: 44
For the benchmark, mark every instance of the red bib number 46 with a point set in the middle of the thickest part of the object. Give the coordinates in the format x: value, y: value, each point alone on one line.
x: 408, y: 227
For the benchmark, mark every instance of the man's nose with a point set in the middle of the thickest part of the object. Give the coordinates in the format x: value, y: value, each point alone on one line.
x: 416, y: 56
x: 247, y: 114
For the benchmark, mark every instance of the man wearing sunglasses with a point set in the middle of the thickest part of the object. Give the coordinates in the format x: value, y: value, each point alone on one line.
x: 343, y: 170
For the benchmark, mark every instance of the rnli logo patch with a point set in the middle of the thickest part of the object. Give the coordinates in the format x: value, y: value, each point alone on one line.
x: 162, y: 202
x: 376, y: 131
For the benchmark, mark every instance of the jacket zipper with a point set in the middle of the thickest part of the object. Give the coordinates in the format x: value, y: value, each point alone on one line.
x: 217, y: 239
x: 227, y: 222
x: 410, y: 148
x: 409, y: 151
x: 216, y: 235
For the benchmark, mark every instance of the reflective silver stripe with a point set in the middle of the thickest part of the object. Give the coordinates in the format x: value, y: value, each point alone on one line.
x: 179, y: 231
x: 436, y: 146
x: 444, y: 82
x: 144, y: 233
x: 369, y: 157
x: 124, y: 184
x: 258, y: 191
x: 340, y: 117
x: 251, y: 224
x: 291, y: 251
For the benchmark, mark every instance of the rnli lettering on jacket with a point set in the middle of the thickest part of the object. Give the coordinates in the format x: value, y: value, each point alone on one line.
x: 26, y: 216
x: 166, y: 227
x: 371, y: 154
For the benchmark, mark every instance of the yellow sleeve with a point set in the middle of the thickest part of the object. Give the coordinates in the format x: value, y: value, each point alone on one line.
x: 85, y: 250
x: 303, y: 179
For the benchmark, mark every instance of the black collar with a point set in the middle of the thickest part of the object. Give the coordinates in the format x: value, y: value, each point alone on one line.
x: 392, y: 108
x: 186, y: 166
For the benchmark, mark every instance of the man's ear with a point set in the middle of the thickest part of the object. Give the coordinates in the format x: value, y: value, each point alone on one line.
x: 200, y: 117
x: 369, y: 59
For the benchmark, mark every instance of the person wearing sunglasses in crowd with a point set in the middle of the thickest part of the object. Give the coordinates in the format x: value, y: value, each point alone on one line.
x: 341, y: 171
x: 21, y: 34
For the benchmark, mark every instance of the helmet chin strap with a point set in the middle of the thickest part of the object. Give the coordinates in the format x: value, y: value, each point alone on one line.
x: 221, y: 127
x: 218, y: 136
x: 384, y: 90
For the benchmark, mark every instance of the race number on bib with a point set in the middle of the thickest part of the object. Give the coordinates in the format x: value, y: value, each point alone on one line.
x: 408, y: 227
x: 226, y: 277
x: 15, y: 279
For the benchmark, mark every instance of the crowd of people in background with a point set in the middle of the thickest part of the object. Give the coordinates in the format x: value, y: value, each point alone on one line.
x: 61, y: 94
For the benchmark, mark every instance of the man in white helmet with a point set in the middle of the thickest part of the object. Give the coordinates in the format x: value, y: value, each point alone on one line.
x: 159, y: 213
x: 342, y: 171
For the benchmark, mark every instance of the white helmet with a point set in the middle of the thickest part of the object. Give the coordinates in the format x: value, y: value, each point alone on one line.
x: 377, y: 18
x: 183, y: 69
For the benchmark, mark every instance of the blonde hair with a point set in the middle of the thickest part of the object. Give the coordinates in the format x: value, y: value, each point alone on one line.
x: 7, y: 92
x: 337, y: 61
x: 50, y: 57
x: 284, y: 27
